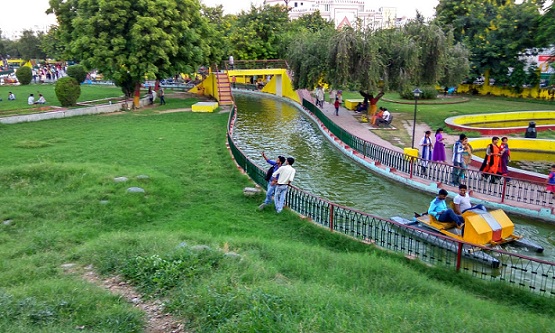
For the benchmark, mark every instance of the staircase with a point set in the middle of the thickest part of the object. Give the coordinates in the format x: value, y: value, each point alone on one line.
x: 224, y: 89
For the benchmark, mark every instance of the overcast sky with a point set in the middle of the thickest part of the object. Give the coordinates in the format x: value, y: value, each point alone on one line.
x: 30, y: 14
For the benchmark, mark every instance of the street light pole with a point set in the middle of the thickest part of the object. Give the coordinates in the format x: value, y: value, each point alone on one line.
x: 416, y: 92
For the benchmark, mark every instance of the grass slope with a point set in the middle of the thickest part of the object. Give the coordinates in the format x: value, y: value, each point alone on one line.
x: 194, y: 240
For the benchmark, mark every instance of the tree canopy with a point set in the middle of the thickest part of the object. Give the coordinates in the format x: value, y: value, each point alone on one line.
x: 128, y: 39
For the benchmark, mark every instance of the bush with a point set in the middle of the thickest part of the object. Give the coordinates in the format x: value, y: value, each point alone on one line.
x: 24, y: 75
x: 68, y: 91
x: 427, y: 93
x: 77, y: 72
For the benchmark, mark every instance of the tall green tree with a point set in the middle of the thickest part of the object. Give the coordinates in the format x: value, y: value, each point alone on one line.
x: 128, y: 39
x: 260, y: 32
x: 496, y: 32
x: 29, y: 46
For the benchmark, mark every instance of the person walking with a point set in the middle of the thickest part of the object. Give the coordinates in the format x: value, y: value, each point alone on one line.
x: 336, y: 105
x: 283, y: 178
x: 270, y: 190
x: 162, y: 95
x: 505, y: 158
x: 439, y: 147
x: 425, y: 151
x: 458, y: 163
x: 491, y: 161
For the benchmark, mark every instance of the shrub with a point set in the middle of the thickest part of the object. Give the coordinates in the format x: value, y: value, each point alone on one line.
x: 77, y: 72
x: 24, y: 75
x: 68, y: 91
x: 427, y: 93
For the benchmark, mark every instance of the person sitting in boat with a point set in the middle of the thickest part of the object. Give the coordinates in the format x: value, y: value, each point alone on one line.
x: 462, y: 202
x: 439, y: 210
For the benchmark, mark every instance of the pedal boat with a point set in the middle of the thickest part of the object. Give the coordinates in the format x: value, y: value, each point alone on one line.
x: 487, y: 229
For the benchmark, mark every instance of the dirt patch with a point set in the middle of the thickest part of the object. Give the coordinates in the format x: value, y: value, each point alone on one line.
x: 158, y: 321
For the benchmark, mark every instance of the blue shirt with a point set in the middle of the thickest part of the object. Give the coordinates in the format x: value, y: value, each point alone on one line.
x: 276, y: 167
x: 437, y: 206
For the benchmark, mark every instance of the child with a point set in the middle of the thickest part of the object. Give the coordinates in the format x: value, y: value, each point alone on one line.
x: 551, y: 181
x: 336, y: 104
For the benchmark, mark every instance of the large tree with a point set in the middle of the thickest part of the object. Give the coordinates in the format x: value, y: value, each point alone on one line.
x: 28, y: 45
x: 496, y: 32
x: 128, y: 39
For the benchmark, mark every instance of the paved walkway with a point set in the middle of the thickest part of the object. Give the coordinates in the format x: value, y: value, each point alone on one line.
x: 348, y: 121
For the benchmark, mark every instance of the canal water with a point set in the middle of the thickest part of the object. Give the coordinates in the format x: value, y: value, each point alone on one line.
x: 266, y: 124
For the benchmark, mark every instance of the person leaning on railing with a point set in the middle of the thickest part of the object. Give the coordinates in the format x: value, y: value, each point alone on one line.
x: 282, y: 178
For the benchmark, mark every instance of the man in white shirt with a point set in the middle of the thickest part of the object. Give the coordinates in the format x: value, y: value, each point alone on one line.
x: 282, y: 178
x: 462, y: 201
x: 11, y: 96
x: 31, y: 99
x: 385, y: 117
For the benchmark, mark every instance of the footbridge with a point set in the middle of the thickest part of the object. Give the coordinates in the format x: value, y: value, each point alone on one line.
x: 271, y: 76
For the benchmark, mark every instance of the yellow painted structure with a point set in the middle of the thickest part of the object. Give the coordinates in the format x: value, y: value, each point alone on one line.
x: 480, y: 228
x: 410, y: 152
x: 539, y: 145
x: 468, y: 120
x: 280, y: 84
x: 204, y: 106
x: 351, y: 104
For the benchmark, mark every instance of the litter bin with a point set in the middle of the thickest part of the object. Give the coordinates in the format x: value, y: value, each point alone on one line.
x: 531, y: 131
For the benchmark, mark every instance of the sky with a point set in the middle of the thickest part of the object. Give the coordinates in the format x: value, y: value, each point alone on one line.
x: 31, y: 13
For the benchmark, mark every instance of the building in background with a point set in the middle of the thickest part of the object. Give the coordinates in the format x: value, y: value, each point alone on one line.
x: 344, y: 12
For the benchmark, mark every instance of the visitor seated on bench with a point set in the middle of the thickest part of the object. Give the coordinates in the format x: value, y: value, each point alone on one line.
x: 439, y: 210
x: 385, y: 119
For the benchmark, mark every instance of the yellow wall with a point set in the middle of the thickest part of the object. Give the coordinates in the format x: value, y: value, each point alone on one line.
x: 486, y: 89
x: 495, y: 117
x: 539, y: 145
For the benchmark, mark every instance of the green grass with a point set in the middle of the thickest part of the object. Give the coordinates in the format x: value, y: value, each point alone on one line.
x: 194, y: 240
x: 20, y: 106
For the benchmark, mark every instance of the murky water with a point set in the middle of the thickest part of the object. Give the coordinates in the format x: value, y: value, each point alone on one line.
x: 277, y: 128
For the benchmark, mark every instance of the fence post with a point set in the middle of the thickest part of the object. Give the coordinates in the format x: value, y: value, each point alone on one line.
x: 459, y: 256
x: 331, y: 216
x: 411, y: 167
x: 504, y: 190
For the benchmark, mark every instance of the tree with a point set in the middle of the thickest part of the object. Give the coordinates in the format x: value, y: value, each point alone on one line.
x: 51, y: 45
x: 77, y: 72
x: 259, y: 33
x: 496, y: 32
x: 29, y: 47
x: 127, y: 39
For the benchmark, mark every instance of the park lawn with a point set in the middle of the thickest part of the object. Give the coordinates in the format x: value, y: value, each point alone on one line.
x: 194, y: 241
x: 20, y: 106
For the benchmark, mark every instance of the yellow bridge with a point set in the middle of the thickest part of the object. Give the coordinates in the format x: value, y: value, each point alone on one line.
x: 269, y: 76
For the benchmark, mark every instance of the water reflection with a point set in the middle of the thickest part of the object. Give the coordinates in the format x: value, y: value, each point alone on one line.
x: 277, y: 128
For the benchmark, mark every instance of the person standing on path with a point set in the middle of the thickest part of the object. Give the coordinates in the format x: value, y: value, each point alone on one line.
x: 231, y: 62
x: 458, y: 163
x: 491, y: 160
x: 426, y: 151
x: 320, y: 96
x: 270, y: 190
x: 551, y: 182
x: 162, y: 96
x: 283, y: 177
x: 439, y: 147
x: 336, y: 104
x: 505, y: 158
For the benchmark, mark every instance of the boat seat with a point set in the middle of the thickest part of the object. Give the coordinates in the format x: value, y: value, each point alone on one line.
x: 432, y: 221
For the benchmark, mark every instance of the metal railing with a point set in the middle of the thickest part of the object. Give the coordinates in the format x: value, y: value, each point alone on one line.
x: 497, y: 188
x: 480, y: 262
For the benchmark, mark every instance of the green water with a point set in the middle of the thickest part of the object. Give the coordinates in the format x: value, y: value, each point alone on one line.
x: 277, y: 128
x: 511, y: 123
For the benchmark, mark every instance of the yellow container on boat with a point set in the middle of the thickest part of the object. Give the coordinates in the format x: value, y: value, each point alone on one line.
x: 487, y: 228
x: 204, y: 106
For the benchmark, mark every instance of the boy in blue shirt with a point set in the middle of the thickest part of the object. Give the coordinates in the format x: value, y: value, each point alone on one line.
x: 439, y: 210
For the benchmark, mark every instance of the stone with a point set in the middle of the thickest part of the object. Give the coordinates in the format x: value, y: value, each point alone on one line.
x: 7, y: 222
x: 121, y: 179
x: 103, y: 202
x: 251, y: 191
x: 200, y: 248
x: 135, y: 190
x: 68, y: 266
x: 142, y: 177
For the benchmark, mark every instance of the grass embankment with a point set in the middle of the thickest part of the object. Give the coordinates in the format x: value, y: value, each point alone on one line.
x: 259, y: 271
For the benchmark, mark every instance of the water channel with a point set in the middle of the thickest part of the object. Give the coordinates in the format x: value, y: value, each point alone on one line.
x: 266, y: 124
